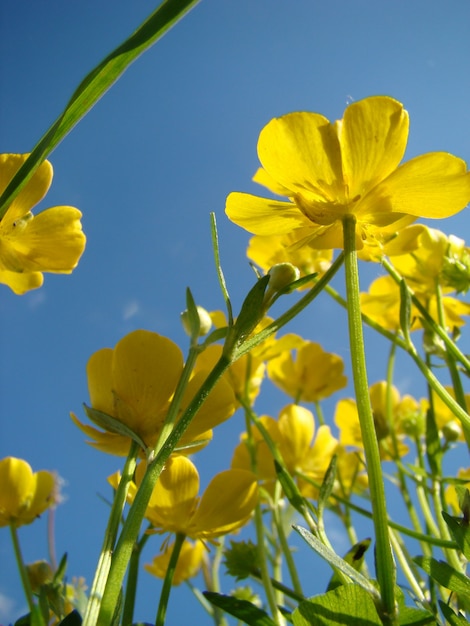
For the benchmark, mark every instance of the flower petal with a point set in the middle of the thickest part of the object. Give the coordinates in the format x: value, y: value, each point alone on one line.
x: 301, y: 152
x: 174, y: 497
x: 433, y: 185
x: 226, y: 504
x: 16, y: 478
x: 297, y: 428
x: 51, y: 241
x: 373, y: 138
x: 34, y: 190
x: 262, y: 216
x: 20, y: 283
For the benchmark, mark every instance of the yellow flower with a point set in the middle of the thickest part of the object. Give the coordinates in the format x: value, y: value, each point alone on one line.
x: 224, y: 507
x: 451, y: 494
x: 189, y: 563
x: 313, y: 376
x: 382, y: 304
x: 293, y: 434
x: 269, y: 251
x: 24, y: 495
x: 134, y: 382
x: 446, y: 421
x: 347, y: 420
x: 52, y: 241
x: 349, y: 167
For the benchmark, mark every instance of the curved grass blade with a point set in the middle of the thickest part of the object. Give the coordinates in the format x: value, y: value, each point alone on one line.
x: 94, y: 85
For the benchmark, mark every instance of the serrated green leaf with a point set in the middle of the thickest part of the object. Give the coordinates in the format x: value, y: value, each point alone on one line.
x: 243, y: 610
x: 348, y: 604
x: 337, y: 562
x: 113, y: 425
x: 454, y: 619
x: 94, y: 85
x: 445, y: 575
x: 460, y: 531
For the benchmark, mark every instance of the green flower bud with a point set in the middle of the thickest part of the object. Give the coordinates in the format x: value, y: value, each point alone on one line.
x: 452, y: 431
x: 205, y: 321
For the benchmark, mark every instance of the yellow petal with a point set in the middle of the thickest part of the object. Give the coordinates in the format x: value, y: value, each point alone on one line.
x: 189, y: 563
x: 373, y: 138
x: 261, y: 216
x: 111, y: 443
x: 51, y: 241
x: 297, y: 427
x: 43, y: 496
x: 32, y: 193
x: 16, y: 478
x: 301, y: 152
x: 145, y: 370
x: 100, y: 382
x: 226, y: 504
x: 20, y: 283
x: 174, y: 497
x: 433, y: 185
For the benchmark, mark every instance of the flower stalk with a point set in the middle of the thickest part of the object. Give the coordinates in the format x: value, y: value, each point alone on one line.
x: 384, y: 557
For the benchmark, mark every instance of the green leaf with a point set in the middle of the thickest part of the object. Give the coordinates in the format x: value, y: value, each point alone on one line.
x: 348, y: 604
x: 337, y: 562
x: 290, y: 489
x: 410, y: 616
x: 113, y: 425
x: 327, y: 485
x: 243, y: 610
x: 405, y: 310
x: 72, y: 619
x: 194, y: 321
x: 460, y: 531
x: 94, y: 85
x: 454, y: 619
x: 445, y: 575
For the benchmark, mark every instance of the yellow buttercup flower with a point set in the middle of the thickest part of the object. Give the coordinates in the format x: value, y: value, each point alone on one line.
x: 269, y: 251
x: 352, y: 166
x: 403, y: 408
x: 190, y: 561
x: 134, y: 382
x: 224, y: 507
x: 24, y: 495
x: 304, y: 451
x: 312, y: 376
x: 51, y: 241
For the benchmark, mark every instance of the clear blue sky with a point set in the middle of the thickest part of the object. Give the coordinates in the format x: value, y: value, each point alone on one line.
x: 160, y: 151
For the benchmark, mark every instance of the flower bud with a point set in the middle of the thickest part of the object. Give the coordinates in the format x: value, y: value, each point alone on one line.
x: 205, y: 321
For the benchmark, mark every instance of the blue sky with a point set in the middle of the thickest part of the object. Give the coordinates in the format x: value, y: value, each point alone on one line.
x: 160, y: 151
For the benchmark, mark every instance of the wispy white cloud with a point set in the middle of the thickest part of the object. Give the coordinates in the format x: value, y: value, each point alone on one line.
x: 7, y: 606
x: 131, y: 309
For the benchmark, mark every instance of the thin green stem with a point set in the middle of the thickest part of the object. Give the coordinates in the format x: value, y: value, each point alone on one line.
x: 286, y: 550
x: 105, y: 559
x: 384, y: 557
x: 131, y: 581
x: 21, y: 567
x: 168, y: 580
x: 131, y: 528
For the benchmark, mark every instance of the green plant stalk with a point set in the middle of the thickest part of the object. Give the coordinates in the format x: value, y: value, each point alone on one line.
x: 105, y: 558
x: 168, y: 580
x: 258, y: 520
x: 175, y: 405
x: 384, y: 558
x: 218, y: 614
x: 21, y: 568
x: 131, y: 528
x: 435, y: 541
x: 401, y: 475
x: 286, y: 549
x: 408, y: 571
x: 131, y: 582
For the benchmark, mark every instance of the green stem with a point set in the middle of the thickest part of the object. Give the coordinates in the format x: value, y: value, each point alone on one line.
x: 105, y: 559
x: 131, y: 582
x: 21, y: 568
x: 131, y: 528
x: 170, y: 572
x: 384, y: 557
x: 286, y: 549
